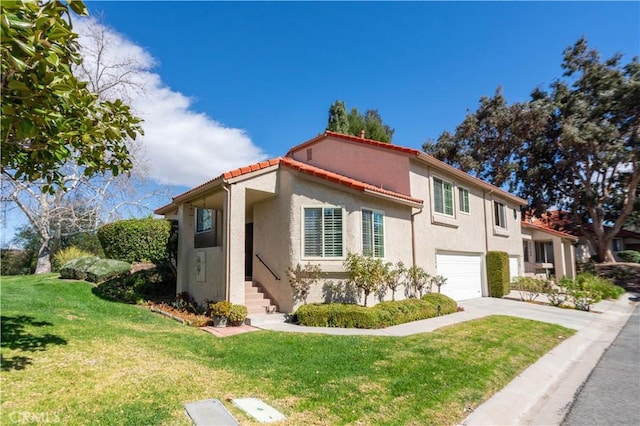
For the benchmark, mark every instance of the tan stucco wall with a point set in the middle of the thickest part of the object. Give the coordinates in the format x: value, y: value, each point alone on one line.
x: 360, y: 161
x: 207, y: 286
x: 564, y: 253
x: 212, y: 287
x: 284, y: 248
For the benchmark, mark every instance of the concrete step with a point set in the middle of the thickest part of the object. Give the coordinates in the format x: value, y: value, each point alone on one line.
x: 256, y: 320
x: 256, y: 301
x: 261, y: 309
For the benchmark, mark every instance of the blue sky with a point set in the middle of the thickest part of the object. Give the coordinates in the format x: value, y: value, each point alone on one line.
x: 273, y: 69
x: 231, y: 83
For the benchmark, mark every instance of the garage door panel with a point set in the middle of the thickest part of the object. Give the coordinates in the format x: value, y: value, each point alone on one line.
x: 464, y: 275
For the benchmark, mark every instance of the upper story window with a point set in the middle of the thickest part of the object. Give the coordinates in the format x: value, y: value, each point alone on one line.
x: 463, y: 200
x: 372, y: 233
x: 204, y: 222
x: 442, y: 196
x: 500, y: 216
x: 323, y: 232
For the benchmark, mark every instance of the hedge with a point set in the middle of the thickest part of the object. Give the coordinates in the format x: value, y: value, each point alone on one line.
x: 136, y: 240
x: 382, y: 315
x: 630, y: 256
x: 94, y: 269
x: 446, y: 304
x: 498, y: 273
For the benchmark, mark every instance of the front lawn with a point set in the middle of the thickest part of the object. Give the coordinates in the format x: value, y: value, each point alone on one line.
x: 72, y: 357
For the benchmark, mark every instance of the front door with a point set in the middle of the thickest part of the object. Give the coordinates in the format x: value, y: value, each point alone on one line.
x: 248, y: 251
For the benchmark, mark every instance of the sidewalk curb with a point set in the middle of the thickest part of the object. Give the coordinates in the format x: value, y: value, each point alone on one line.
x: 543, y: 393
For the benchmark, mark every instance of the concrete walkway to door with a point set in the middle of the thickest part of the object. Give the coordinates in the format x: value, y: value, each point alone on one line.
x: 543, y: 393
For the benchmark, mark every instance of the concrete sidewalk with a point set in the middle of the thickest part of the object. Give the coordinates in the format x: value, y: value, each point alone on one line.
x: 543, y: 393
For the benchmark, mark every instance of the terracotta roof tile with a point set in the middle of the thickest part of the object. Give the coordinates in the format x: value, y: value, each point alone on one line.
x: 357, y: 139
x: 542, y: 227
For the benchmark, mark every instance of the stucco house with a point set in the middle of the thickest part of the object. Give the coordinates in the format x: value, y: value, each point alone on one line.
x: 560, y: 221
x: 546, y: 251
x: 331, y: 195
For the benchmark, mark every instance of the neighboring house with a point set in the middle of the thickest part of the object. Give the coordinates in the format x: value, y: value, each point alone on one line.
x: 547, y: 252
x: 560, y: 221
x: 332, y: 195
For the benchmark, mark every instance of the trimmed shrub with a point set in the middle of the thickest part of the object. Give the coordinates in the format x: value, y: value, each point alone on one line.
x: 156, y: 284
x: 94, y: 269
x: 77, y: 269
x: 105, y: 269
x: 447, y: 305
x: 382, y: 315
x: 66, y: 255
x: 237, y: 314
x: 603, y: 287
x: 630, y: 256
x: 498, y: 273
x: 136, y: 240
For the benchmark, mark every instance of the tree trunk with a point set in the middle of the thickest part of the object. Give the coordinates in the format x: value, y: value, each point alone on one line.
x: 604, y: 251
x: 43, y: 265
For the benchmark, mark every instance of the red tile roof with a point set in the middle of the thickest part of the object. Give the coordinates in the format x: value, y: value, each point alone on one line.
x: 541, y: 227
x: 251, y: 168
x: 295, y: 165
x: 429, y: 159
x: 410, y: 151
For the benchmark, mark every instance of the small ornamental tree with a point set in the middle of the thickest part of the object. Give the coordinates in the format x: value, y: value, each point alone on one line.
x: 302, y: 278
x: 438, y: 281
x: 395, y: 276
x: 418, y: 279
x: 366, y: 273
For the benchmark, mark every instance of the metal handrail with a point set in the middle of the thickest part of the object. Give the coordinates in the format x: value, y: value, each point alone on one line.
x: 268, y: 268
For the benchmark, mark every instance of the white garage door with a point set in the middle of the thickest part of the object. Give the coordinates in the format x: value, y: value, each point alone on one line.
x: 463, y: 273
x: 513, y: 268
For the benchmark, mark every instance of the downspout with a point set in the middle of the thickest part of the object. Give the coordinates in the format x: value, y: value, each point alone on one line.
x: 227, y: 248
x: 413, y: 236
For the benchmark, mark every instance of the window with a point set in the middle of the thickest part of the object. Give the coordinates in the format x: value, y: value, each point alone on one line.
x: 443, y: 196
x: 525, y: 250
x: 372, y: 233
x: 500, y: 216
x: 544, y: 252
x: 463, y: 200
x: 323, y: 232
x: 616, y: 244
x: 203, y: 220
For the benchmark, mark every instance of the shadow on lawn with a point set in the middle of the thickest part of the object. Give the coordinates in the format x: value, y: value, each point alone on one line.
x: 13, y: 336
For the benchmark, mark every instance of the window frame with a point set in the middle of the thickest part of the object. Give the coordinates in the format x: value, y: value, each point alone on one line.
x: 200, y: 222
x: 617, y: 242
x: 372, y: 231
x: 443, y: 191
x: 323, y: 248
x: 464, y: 202
x: 500, y: 215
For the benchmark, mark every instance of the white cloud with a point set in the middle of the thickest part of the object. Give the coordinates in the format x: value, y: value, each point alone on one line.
x: 182, y: 147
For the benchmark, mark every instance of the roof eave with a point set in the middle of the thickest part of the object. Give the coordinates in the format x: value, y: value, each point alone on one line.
x: 434, y: 162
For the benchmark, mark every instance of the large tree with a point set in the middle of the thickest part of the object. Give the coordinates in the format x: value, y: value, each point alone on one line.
x: 354, y: 123
x: 575, y: 147
x: 49, y: 116
x: 79, y: 197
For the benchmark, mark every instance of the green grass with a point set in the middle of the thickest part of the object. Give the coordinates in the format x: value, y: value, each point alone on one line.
x: 73, y: 356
